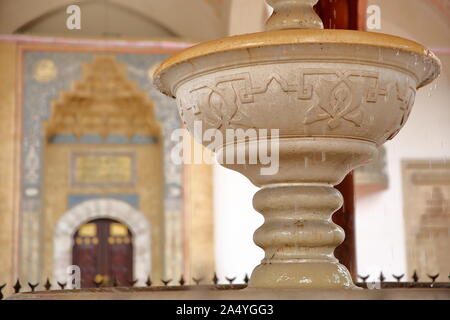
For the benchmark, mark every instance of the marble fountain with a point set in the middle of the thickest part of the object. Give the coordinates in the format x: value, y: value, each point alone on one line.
x: 336, y: 96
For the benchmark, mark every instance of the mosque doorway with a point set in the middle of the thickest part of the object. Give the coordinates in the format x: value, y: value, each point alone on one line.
x: 103, y: 249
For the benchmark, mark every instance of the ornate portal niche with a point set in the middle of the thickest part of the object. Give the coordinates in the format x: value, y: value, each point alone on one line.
x: 103, y: 107
x: 426, y: 194
x: 104, y: 146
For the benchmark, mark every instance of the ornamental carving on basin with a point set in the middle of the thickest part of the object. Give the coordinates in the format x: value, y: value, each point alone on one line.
x: 317, y: 102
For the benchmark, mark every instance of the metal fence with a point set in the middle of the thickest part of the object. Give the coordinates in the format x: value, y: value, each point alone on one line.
x: 428, y: 281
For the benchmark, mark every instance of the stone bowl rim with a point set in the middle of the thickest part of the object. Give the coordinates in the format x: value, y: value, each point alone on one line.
x: 293, y: 37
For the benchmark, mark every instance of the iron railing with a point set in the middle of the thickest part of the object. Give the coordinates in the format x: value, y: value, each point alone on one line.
x: 230, y: 285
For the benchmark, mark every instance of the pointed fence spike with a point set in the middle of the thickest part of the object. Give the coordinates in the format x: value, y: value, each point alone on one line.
x: 215, y: 279
x: 230, y: 280
x: 433, y: 278
x: 197, y: 281
x: 47, y: 285
x: 133, y: 282
x: 246, y: 279
x: 166, y: 282
x: 381, y: 277
x: 33, y: 286
x: 62, y: 285
x: 415, y: 277
x: 149, y: 282
x: 364, y: 278
x: 181, y: 282
x: 17, y: 286
x: 398, y: 277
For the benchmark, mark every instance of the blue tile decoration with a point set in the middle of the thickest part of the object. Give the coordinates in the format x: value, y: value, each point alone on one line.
x: 131, y: 199
x: 116, y: 139
x: 90, y: 139
x: 96, y: 139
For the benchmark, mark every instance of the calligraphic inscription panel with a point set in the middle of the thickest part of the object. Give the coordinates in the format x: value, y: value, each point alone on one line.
x: 102, y: 169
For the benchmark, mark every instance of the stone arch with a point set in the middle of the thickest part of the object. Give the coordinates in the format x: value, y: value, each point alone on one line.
x: 88, y: 210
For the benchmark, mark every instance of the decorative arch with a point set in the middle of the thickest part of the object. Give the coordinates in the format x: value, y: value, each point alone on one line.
x: 103, y: 103
x: 208, y: 18
x: 88, y: 210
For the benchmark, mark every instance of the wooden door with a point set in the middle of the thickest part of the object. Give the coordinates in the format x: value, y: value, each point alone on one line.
x: 103, y: 250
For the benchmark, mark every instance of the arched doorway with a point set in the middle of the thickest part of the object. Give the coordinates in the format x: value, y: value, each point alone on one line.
x: 110, y: 209
x: 103, y: 249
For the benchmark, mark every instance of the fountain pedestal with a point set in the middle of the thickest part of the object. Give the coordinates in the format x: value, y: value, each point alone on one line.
x: 298, y: 235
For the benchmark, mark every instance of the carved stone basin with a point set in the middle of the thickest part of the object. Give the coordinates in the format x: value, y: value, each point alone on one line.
x: 334, y: 95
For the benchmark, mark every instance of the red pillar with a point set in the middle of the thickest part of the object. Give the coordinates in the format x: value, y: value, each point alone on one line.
x: 345, y: 14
